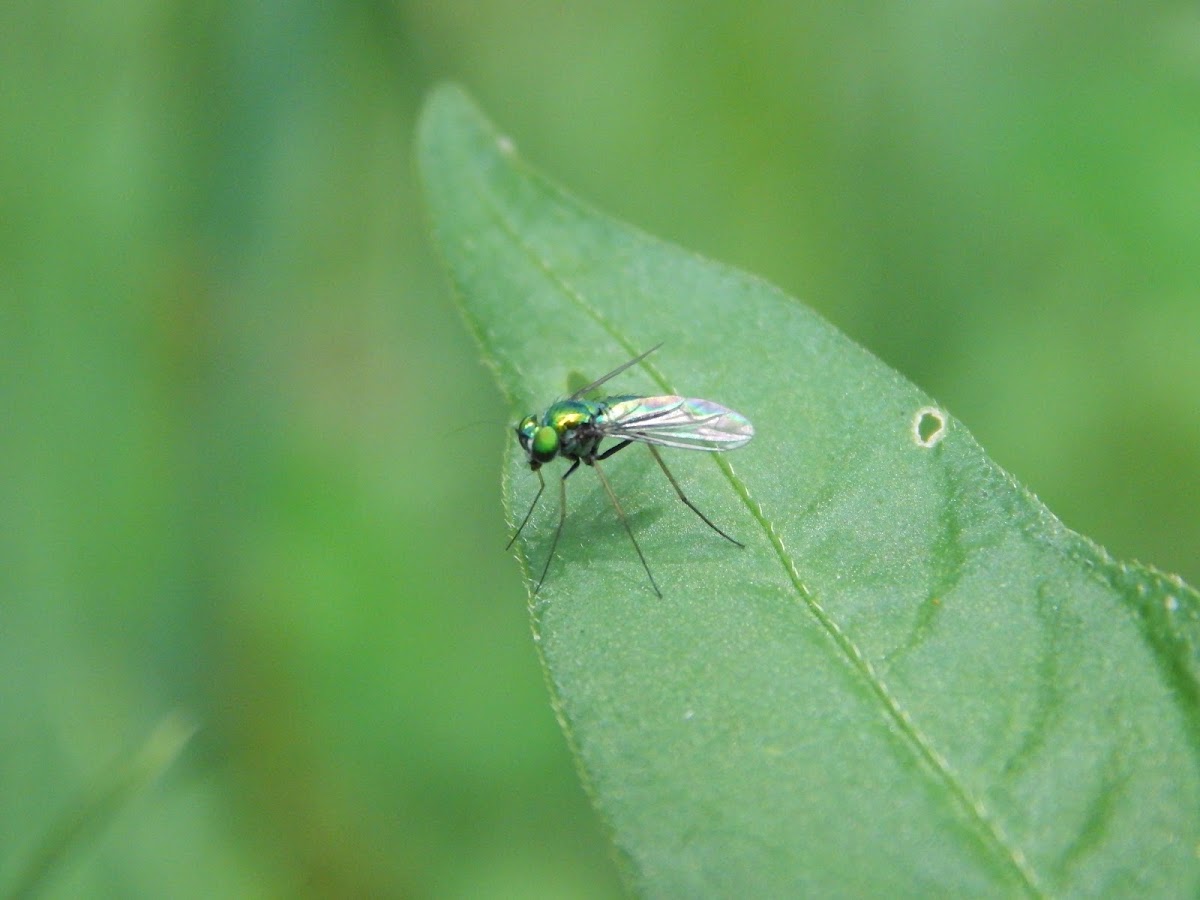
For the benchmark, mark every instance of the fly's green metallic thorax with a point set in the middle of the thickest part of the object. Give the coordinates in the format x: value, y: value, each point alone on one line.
x: 567, y: 415
x: 576, y: 422
x: 569, y: 427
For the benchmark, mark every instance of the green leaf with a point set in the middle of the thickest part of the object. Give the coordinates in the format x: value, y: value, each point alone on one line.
x: 102, y: 804
x: 914, y: 678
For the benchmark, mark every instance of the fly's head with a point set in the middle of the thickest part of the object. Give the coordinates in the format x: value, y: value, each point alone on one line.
x: 540, y: 442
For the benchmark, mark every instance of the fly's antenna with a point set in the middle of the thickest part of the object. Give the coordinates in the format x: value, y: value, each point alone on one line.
x: 615, y: 372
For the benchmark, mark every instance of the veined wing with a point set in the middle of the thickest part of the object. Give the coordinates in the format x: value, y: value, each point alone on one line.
x: 681, y: 422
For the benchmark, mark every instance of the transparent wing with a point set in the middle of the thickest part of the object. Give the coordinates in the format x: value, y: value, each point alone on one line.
x: 681, y: 422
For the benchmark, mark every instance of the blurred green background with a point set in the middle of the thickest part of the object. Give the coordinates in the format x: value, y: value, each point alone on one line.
x: 236, y: 484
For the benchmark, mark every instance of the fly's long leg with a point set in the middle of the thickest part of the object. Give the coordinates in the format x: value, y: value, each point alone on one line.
x: 562, y: 517
x: 683, y: 497
x: 621, y: 514
x: 532, y: 507
x: 613, y: 449
x: 617, y: 371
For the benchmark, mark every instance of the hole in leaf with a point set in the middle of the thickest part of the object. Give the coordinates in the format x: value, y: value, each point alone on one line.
x: 929, y: 426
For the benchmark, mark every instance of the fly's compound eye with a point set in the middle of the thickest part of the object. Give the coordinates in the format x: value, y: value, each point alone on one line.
x: 525, y: 429
x: 544, y: 446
